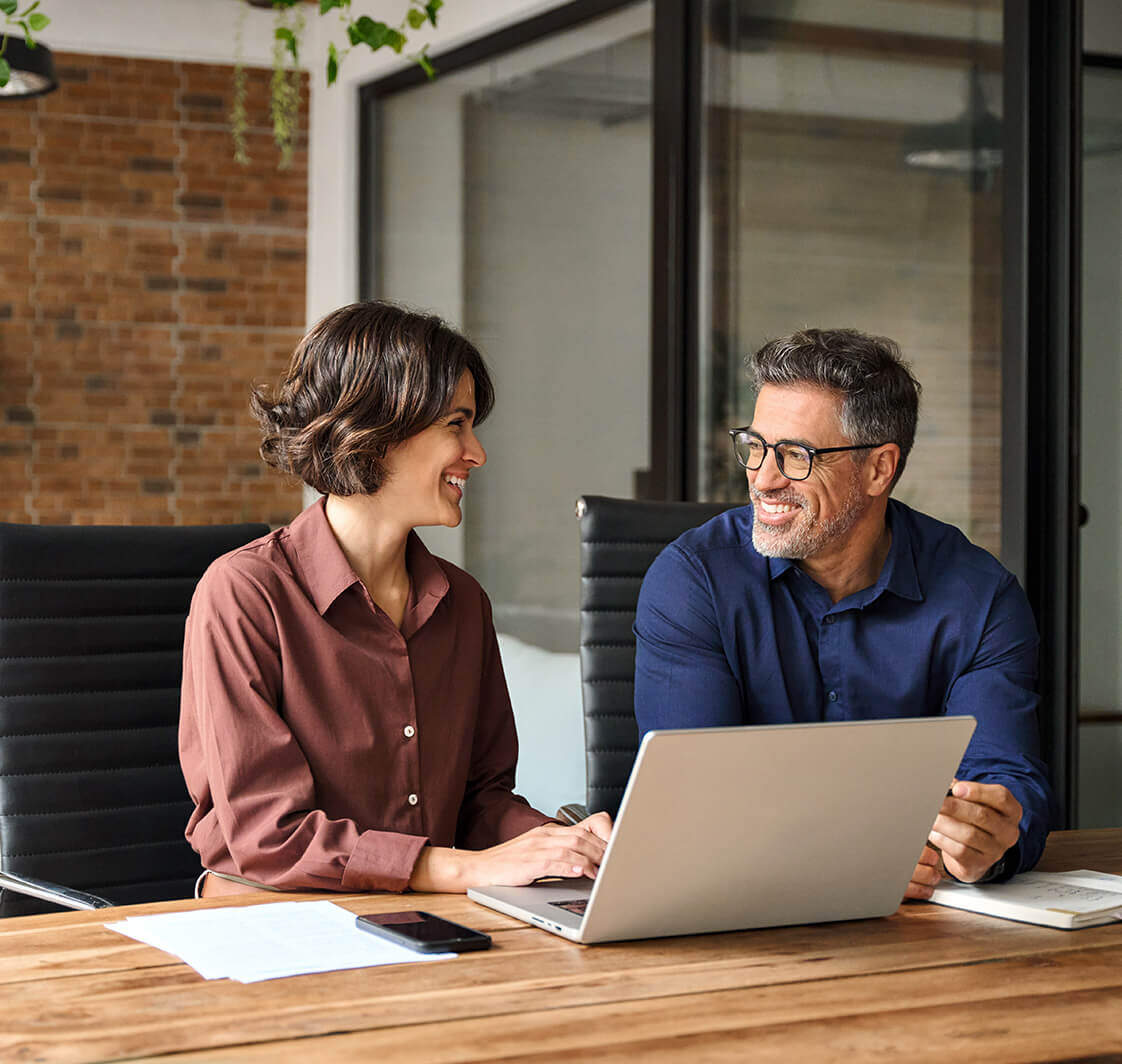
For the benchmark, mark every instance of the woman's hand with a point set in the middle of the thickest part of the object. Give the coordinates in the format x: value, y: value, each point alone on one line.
x: 548, y: 850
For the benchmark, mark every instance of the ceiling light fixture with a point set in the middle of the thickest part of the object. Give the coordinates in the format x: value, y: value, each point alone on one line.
x: 969, y: 144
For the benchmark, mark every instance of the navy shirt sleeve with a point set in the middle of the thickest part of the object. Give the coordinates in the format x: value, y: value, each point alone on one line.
x: 998, y: 688
x: 682, y: 676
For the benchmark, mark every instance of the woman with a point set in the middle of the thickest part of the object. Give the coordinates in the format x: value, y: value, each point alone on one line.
x: 345, y: 721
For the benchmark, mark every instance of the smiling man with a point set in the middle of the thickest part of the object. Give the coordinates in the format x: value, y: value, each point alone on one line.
x: 826, y: 600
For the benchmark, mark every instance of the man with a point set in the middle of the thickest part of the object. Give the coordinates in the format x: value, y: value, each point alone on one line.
x: 827, y: 600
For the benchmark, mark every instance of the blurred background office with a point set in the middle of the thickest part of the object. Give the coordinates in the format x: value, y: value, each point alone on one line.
x: 618, y: 201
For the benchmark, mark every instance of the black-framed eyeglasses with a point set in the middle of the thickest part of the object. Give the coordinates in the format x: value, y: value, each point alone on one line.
x: 795, y: 460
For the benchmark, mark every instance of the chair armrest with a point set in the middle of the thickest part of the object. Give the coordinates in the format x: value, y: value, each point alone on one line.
x: 572, y: 813
x: 52, y: 892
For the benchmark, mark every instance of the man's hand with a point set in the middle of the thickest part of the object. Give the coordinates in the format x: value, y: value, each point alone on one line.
x: 977, y: 824
x: 926, y: 877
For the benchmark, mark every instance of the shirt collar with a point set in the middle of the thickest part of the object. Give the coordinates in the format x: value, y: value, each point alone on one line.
x: 326, y: 573
x: 898, y: 574
x: 430, y: 584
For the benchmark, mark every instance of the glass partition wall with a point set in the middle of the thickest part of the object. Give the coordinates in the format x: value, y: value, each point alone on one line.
x: 513, y: 198
x: 1100, y: 538
x: 852, y: 178
x: 802, y: 163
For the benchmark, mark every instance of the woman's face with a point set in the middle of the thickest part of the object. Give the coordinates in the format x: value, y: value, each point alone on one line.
x: 428, y: 473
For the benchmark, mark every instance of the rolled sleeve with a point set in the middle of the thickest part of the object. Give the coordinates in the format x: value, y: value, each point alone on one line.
x: 999, y: 691
x: 382, y: 860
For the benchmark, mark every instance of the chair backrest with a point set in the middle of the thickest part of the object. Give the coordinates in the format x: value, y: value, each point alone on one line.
x: 91, y: 646
x: 619, y: 538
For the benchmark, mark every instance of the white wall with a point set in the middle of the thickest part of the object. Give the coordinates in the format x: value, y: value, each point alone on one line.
x: 333, y: 237
x: 199, y: 31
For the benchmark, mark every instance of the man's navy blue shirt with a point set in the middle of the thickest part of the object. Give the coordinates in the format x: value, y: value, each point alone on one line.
x: 727, y: 636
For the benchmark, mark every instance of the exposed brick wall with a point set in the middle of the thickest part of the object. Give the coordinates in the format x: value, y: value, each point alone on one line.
x: 146, y: 280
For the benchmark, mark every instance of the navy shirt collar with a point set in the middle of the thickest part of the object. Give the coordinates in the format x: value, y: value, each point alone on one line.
x: 898, y: 574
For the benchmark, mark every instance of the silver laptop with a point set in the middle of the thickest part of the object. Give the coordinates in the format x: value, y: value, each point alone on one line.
x: 728, y: 828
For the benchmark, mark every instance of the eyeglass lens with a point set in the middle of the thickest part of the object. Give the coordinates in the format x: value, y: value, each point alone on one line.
x: 794, y: 461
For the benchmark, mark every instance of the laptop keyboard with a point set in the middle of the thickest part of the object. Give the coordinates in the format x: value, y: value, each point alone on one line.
x: 576, y: 905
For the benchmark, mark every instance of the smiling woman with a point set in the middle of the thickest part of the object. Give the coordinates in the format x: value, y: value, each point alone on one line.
x: 345, y: 721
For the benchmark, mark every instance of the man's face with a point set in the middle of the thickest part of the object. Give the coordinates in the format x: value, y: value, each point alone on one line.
x: 802, y: 518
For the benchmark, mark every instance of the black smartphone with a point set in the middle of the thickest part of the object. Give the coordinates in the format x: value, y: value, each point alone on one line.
x: 424, y: 932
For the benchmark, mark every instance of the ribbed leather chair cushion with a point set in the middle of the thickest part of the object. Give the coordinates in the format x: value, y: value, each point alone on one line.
x: 91, y: 644
x: 619, y: 538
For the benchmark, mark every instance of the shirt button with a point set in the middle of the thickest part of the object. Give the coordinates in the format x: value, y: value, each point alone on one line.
x: 833, y: 696
x: 409, y: 731
x: 413, y: 799
x: 830, y: 619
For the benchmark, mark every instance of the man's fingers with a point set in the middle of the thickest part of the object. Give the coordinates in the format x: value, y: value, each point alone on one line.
x: 981, y: 816
x: 971, y: 835
x: 930, y: 856
x: 927, y: 875
x: 993, y: 795
x: 918, y: 891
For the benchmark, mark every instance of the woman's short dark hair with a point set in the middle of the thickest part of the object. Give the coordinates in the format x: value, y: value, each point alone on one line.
x: 880, y: 395
x: 366, y: 377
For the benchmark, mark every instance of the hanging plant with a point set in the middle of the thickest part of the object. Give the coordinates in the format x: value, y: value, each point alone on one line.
x: 239, y: 115
x: 27, y: 22
x: 284, y: 95
x: 288, y: 32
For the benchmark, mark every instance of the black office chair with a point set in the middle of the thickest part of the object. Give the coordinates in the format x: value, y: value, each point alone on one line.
x: 92, y: 800
x: 619, y: 538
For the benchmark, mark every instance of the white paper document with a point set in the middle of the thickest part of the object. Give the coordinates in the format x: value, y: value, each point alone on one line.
x: 255, y: 942
x: 1067, y: 900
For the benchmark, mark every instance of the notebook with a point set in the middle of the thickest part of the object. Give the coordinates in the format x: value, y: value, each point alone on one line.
x: 1068, y: 900
x: 758, y: 826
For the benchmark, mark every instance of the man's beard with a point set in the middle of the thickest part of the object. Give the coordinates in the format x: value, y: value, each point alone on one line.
x: 806, y: 535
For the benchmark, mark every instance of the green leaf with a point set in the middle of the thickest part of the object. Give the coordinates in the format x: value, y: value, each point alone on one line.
x: 395, y: 39
x: 367, y: 31
x: 5, y: 71
x: 27, y: 36
x: 27, y: 10
x: 38, y: 21
x: 327, y: 5
x: 8, y: 7
x: 332, y: 63
x: 425, y: 64
x: 431, y: 8
x: 416, y: 18
x: 283, y: 33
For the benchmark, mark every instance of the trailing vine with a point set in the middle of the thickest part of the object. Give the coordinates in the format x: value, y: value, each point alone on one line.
x: 359, y: 31
x: 284, y: 98
x: 239, y: 116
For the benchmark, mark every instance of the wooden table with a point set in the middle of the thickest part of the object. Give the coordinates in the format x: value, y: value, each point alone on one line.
x: 924, y: 984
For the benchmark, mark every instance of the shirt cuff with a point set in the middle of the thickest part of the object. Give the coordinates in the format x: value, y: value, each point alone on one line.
x: 382, y: 860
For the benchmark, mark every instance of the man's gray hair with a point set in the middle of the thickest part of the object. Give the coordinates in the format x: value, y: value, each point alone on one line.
x: 880, y: 396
